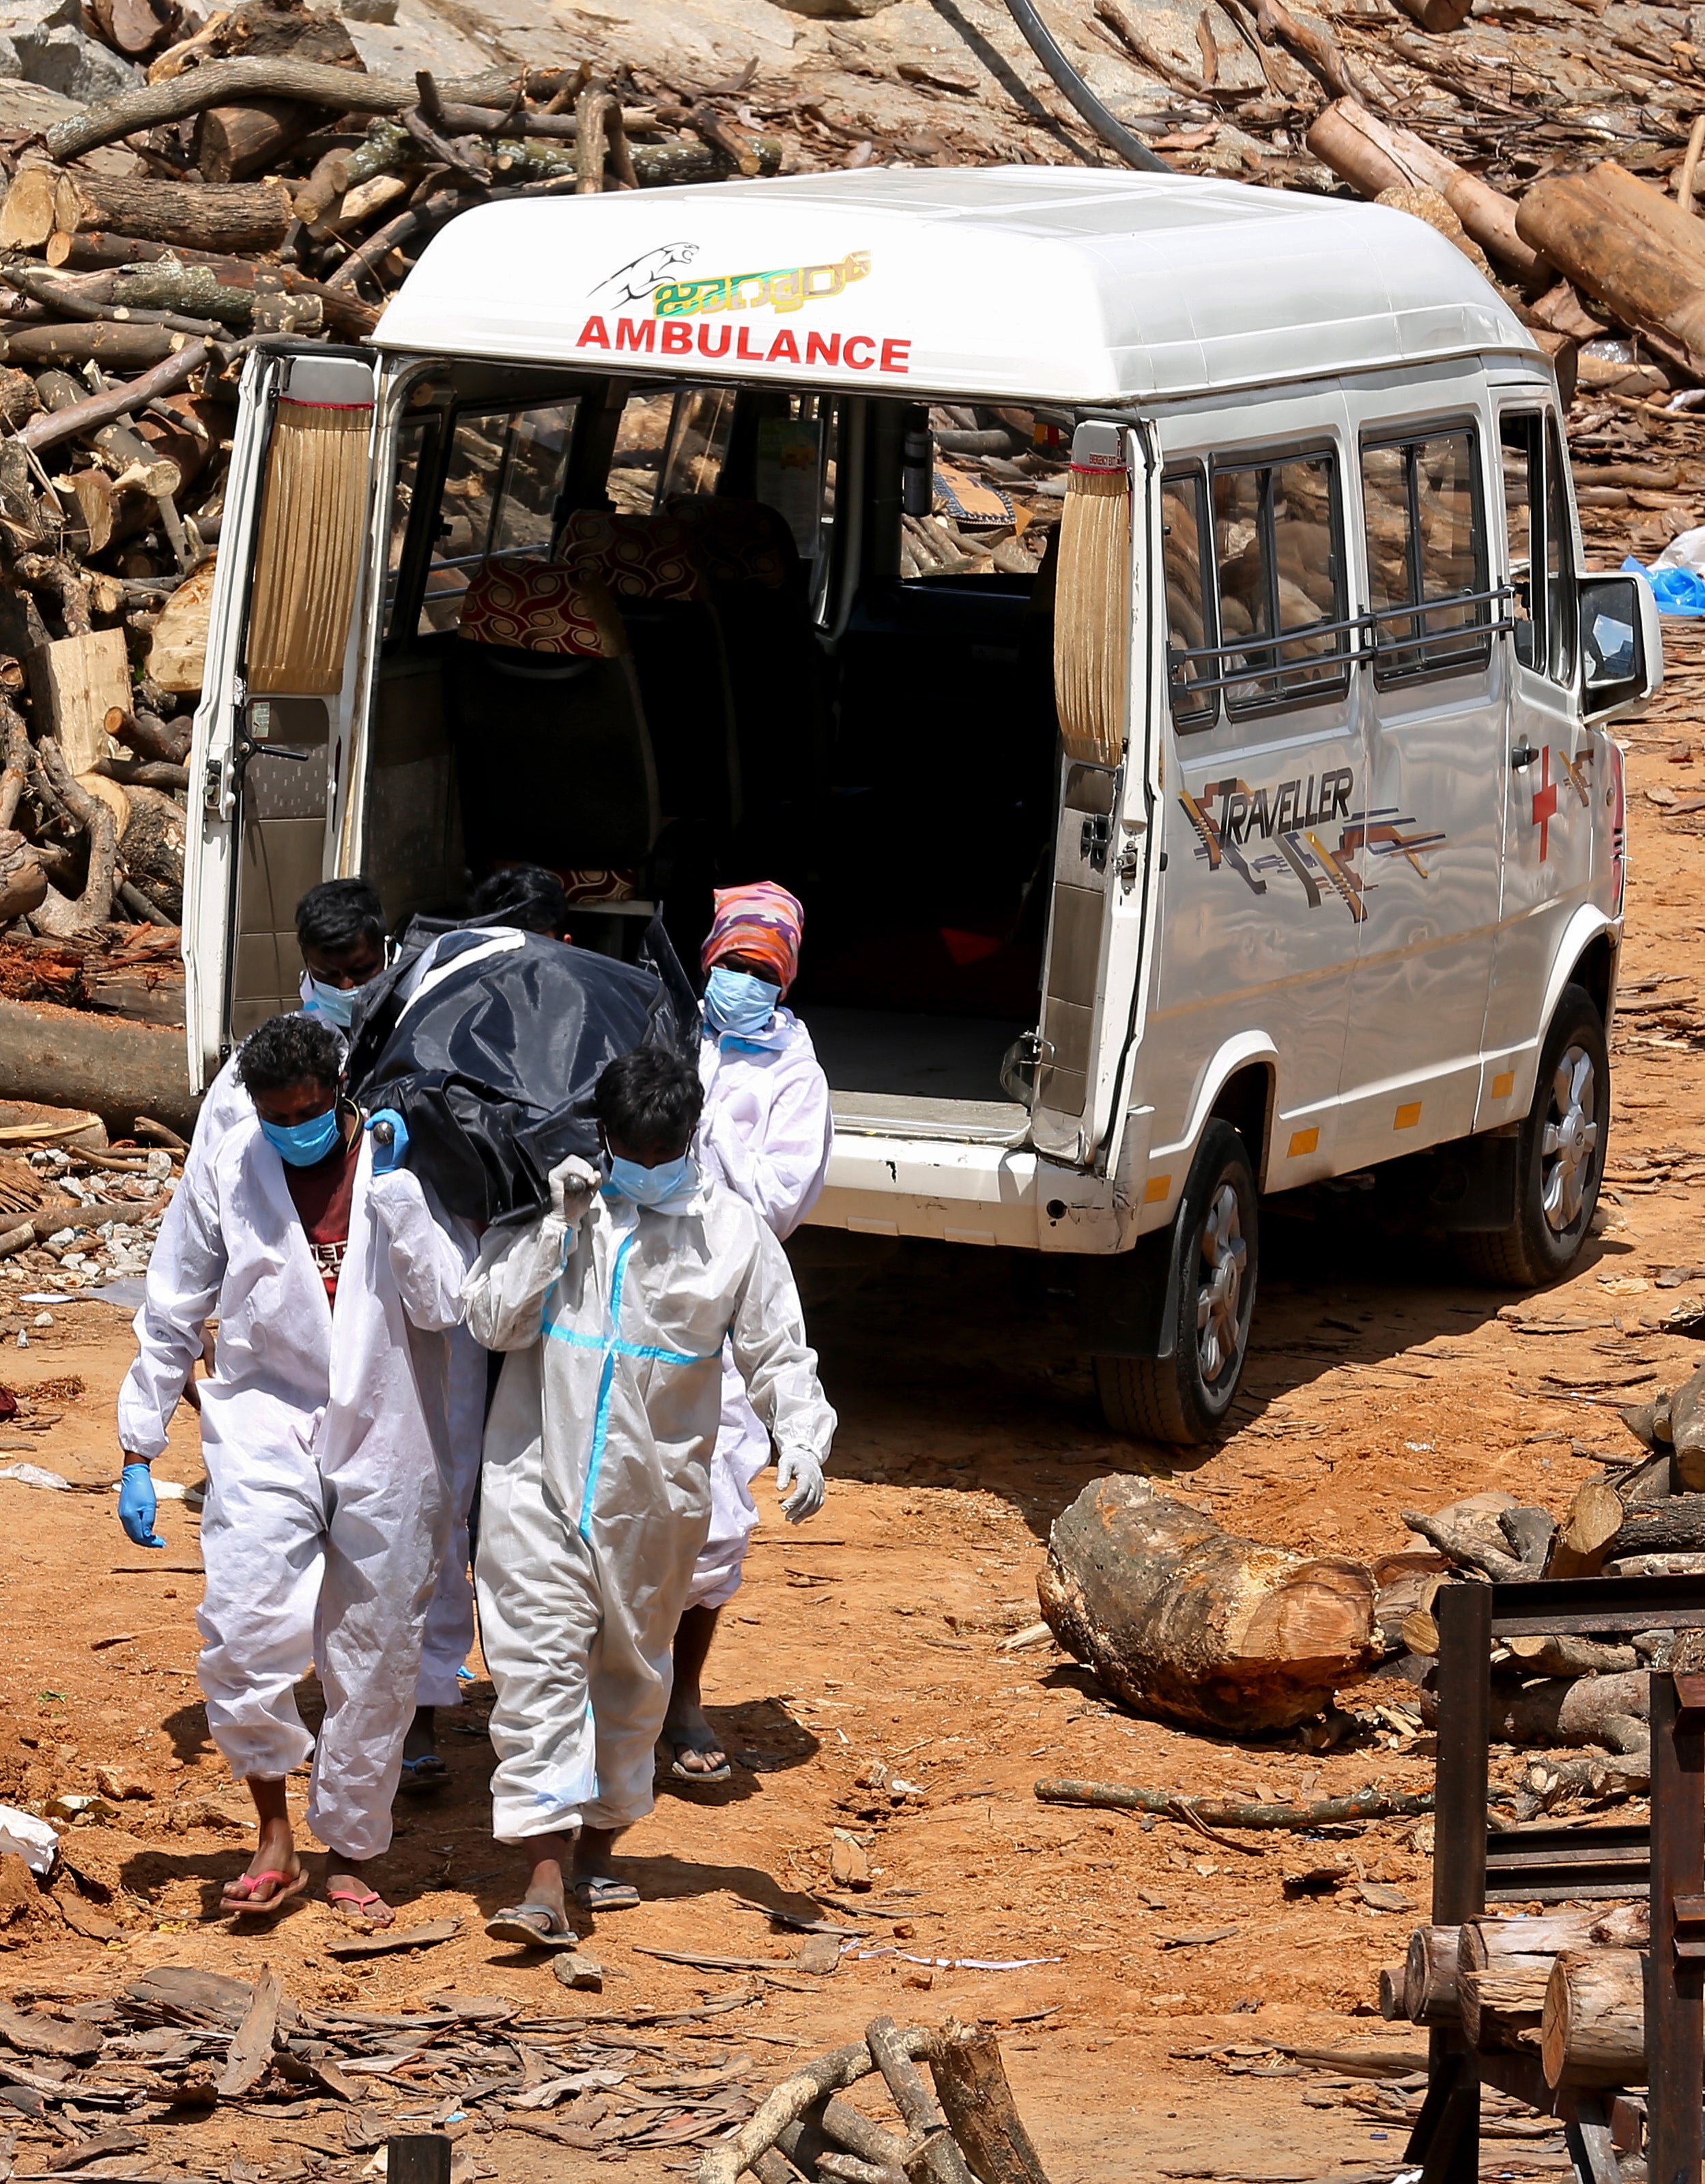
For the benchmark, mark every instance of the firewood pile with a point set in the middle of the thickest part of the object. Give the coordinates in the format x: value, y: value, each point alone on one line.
x: 255, y: 179
x: 1566, y: 1987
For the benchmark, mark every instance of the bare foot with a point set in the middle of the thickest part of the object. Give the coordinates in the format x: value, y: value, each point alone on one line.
x: 544, y: 1886
x: 273, y: 1874
x: 352, y: 1897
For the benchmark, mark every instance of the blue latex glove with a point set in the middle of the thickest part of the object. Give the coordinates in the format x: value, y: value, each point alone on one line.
x: 387, y: 1158
x: 137, y: 1505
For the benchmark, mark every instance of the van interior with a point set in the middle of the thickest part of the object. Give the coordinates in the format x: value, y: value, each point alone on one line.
x: 666, y: 637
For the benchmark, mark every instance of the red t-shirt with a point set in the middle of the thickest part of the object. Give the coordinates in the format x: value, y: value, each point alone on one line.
x: 321, y: 1195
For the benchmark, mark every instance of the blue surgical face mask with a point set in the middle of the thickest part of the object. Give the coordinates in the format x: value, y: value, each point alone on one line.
x: 736, y: 1003
x: 653, y: 1186
x: 331, y: 1004
x: 302, y: 1144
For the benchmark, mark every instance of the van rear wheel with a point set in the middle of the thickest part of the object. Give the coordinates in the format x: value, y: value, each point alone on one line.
x: 1184, y: 1398
x: 1560, y: 1160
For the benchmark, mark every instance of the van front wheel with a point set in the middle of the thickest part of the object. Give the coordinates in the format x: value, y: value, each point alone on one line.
x: 1560, y: 1160
x: 1184, y: 1398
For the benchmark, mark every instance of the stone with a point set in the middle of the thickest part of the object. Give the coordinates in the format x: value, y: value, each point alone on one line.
x: 43, y: 42
x: 575, y: 1970
x: 120, y: 1782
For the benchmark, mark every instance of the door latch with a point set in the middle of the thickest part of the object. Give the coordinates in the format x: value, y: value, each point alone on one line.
x: 1522, y: 755
x: 1128, y: 864
x: 1093, y: 843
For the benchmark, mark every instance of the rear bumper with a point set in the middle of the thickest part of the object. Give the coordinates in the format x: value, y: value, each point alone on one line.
x: 969, y: 1194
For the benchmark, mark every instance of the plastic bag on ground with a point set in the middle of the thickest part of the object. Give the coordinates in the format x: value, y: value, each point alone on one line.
x: 28, y: 1838
x: 1679, y: 589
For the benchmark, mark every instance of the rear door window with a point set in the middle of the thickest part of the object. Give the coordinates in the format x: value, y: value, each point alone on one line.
x: 983, y: 491
x: 499, y: 498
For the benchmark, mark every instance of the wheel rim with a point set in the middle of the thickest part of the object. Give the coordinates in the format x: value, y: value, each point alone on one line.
x: 1219, y: 1301
x: 1569, y: 1141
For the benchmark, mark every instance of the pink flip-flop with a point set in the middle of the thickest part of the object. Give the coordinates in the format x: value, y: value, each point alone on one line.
x: 354, y: 1896
x: 285, y: 1887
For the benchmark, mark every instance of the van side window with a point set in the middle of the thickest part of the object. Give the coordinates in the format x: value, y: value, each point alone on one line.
x: 1191, y: 627
x: 1278, y: 554
x: 1426, y: 549
x: 982, y: 490
x: 499, y: 498
x: 1540, y: 543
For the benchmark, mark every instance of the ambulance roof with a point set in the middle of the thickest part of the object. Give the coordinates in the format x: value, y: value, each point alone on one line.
x: 1065, y: 284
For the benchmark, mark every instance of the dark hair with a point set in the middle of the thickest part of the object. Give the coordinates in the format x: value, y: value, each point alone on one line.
x: 287, y: 1051
x: 337, y: 913
x: 648, y: 1098
x: 528, y: 896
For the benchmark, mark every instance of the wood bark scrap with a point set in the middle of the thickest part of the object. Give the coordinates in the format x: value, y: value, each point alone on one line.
x: 1183, y: 1620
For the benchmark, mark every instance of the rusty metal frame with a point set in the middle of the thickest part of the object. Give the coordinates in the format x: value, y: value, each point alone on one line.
x: 1664, y: 1860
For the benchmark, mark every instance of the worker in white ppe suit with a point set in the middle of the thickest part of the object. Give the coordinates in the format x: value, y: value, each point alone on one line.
x: 614, y: 1306
x: 334, y: 1283
x: 766, y: 1132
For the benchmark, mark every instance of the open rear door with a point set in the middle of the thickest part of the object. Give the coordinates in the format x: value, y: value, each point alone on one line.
x: 277, y: 694
x: 1105, y: 616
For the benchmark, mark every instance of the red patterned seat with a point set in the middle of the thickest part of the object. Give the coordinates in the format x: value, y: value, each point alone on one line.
x: 538, y: 607
x: 639, y: 557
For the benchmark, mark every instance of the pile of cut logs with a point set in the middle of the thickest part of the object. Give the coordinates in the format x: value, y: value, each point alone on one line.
x: 260, y: 181
x: 1567, y: 1986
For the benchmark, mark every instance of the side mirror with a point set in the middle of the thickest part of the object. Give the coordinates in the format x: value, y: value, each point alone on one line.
x: 1622, y: 645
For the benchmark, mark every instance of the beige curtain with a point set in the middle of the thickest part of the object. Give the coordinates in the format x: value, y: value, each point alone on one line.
x: 1092, y: 607
x: 308, y: 563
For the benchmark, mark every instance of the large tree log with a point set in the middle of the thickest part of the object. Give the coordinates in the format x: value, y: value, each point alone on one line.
x: 1593, y: 2032
x: 1187, y: 1622
x: 69, y: 1058
x: 1630, y: 246
x: 1375, y: 156
x: 1429, y: 1975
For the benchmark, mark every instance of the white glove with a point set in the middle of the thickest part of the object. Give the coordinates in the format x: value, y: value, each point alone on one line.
x: 798, y: 1467
x: 572, y: 1182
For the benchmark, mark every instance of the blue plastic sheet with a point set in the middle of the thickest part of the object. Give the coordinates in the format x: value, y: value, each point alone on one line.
x: 1677, y: 591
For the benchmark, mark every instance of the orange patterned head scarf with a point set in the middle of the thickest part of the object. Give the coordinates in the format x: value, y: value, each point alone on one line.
x: 762, y: 921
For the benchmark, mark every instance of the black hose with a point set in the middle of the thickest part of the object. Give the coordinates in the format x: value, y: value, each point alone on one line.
x: 1113, y: 133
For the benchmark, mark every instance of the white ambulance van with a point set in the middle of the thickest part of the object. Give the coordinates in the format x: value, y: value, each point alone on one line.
x: 1142, y: 617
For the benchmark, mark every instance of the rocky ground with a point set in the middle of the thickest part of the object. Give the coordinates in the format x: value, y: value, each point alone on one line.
x: 1115, y: 1953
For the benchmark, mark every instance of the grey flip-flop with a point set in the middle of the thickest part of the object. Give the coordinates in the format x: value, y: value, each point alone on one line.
x: 519, y: 1922
x: 700, y: 1741
x: 603, y: 1893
